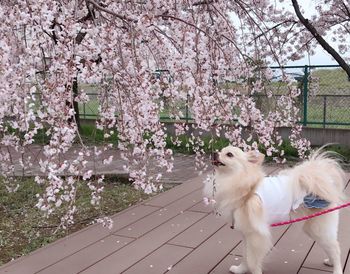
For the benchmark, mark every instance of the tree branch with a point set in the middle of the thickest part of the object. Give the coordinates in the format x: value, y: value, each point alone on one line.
x: 205, y: 2
x: 324, y: 44
x: 275, y: 27
x: 347, y: 12
x: 99, y: 7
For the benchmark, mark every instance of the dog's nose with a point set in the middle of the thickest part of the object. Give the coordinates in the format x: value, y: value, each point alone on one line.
x: 214, y: 156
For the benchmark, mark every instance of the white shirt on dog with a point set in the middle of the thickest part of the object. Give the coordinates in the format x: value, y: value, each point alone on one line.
x: 277, y: 198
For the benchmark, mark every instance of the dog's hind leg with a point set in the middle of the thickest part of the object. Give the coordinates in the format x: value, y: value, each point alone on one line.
x: 324, y: 230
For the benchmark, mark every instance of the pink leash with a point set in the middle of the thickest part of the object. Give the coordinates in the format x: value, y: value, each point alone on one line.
x: 310, y: 216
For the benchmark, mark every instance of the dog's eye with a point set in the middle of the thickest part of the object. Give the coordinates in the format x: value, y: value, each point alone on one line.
x: 229, y: 154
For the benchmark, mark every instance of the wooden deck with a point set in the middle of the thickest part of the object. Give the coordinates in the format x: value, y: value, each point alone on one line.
x: 174, y: 233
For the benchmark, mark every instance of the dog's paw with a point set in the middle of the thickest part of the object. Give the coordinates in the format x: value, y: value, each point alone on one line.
x: 327, y: 262
x: 239, y: 269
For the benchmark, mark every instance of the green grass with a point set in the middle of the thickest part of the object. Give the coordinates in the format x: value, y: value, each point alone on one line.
x: 343, y: 152
x: 332, y: 81
x: 186, y: 147
x: 91, y: 135
x: 340, y: 114
x: 24, y: 229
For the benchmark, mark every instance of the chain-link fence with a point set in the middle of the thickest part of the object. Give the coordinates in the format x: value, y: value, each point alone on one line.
x: 324, y: 98
x: 327, y: 98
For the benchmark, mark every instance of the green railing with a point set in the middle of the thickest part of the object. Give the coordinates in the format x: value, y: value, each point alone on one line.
x: 330, y: 106
x: 324, y: 100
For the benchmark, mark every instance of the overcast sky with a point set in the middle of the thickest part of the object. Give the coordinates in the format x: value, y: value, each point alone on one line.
x: 321, y: 57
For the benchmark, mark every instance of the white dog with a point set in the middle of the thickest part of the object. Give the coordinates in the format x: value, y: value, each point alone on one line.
x: 253, y: 201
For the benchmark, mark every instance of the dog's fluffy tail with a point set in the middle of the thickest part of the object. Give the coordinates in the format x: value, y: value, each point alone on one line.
x: 322, y: 175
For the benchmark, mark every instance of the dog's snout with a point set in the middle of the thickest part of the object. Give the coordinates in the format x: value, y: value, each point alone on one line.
x: 214, y: 156
x: 215, y: 159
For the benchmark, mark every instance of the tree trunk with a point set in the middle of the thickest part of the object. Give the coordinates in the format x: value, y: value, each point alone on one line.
x: 324, y: 44
x: 75, y: 103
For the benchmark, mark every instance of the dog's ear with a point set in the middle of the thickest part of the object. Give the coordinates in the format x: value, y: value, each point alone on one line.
x: 255, y: 157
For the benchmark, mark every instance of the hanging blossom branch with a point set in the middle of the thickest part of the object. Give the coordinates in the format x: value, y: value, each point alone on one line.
x: 213, y: 75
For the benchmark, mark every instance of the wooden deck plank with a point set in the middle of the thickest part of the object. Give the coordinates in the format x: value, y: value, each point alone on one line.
x: 176, y: 193
x: 271, y: 169
x: 160, y: 260
x: 128, y: 217
x: 199, y: 232
x: 201, y: 207
x: 87, y: 256
x: 224, y: 266
x: 160, y: 216
x: 276, y: 234
x: 208, y: 254
x: 236, y: 254
x: 304, y: 270
x: 142, y: 247
x: 347, y: 178
x: 347, y: 267
x: 289, y: 253
x: 286, y: 257
x: 49, y: 254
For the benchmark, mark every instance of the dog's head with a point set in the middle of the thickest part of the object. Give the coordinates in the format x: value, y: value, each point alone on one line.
x: 237, y: 174
x: 234, y: 159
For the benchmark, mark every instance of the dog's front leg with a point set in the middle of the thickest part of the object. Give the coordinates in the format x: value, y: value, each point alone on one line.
x: 239, y: 269
x: 257, y: 247
x: 242, y: 267
x: 250, y: 219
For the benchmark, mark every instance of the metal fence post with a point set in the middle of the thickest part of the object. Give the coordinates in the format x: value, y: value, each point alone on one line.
x: 305, y: 93
x: 324, y: 110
